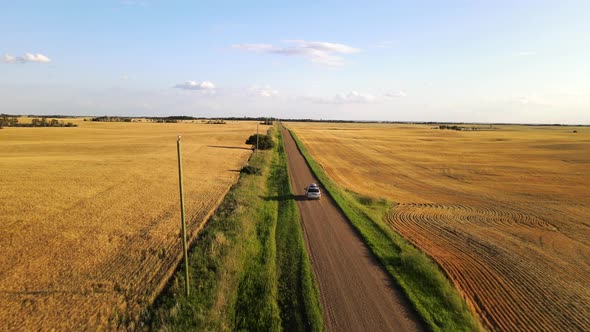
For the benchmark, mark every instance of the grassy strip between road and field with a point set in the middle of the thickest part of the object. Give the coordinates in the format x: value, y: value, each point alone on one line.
x: 426, y: 286
x: 249, y: 267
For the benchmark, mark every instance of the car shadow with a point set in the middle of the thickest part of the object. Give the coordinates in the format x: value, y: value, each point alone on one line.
x: 284, y: 197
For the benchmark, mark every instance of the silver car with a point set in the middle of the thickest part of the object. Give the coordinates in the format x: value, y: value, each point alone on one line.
x: 313, y: 191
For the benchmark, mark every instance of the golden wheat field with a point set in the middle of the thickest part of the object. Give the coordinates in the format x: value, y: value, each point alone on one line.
x: 90, y: 217
x: 504, y: 212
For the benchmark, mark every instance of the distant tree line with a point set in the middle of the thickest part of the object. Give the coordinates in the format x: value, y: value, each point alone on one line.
x: 214, y: 121
x: 12, y: 121
x: 171, y: 119
x: 7, y: 121
x: 51, y: 123
x: 165, y: 120
x: 442, y: 127
x: 168, y: 119
x: 111, y: 119
x: 179, y: 117
x: 459, y: 128
x: 269, y: 121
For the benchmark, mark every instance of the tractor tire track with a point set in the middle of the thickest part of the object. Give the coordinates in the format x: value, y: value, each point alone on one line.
x: 499, y: 284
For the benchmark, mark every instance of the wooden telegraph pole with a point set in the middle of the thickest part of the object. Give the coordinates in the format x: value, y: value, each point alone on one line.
x: 186, y: 283
x: 257, y: 138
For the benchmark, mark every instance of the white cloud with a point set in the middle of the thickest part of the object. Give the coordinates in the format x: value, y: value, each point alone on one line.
x: 323, y: 53
x: 193, y: 85
x: 355, y: 97
x: 207, y: 85
x: 526, y: 53
x: 352, y: 97
x: 265, y: 91
x: 36, y: 58
x: 9, y: 58
x: 394, y: 94
x: 28, y: 57
x: 323, y: 46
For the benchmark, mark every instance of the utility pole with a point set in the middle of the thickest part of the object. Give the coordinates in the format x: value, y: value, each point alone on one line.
x: 186, y: 283
x: 258, y: 124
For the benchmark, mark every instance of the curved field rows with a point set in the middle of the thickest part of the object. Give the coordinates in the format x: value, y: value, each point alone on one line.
x: 503, y: 212
x: 500, y: 283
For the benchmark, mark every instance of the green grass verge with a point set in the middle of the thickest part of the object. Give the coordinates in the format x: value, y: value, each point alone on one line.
x: 249, y: 268
x: 426, y: 286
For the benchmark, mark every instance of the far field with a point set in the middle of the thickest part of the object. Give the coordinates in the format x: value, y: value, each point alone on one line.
x: 90, y: 218
x: 504, y: 212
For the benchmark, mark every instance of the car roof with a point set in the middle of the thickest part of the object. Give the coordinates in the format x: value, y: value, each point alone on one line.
x: 313, y: 185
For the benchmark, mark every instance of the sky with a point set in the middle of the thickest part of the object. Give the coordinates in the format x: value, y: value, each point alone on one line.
x: 456, y: 61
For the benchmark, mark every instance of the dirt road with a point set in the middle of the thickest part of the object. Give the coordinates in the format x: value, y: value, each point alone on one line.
x: 356, y: 294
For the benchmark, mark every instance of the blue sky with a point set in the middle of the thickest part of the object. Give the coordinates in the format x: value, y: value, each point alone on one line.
x: 474, y: 61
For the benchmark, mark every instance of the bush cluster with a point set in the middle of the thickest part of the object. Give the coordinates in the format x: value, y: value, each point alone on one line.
x: 214, y: 121
x: 9, y: 121
x: 450, y: 127
x: 265, y: 142
x: 248, y: 169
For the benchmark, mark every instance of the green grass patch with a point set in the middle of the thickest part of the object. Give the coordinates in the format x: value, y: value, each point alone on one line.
x: 249, y: 268
x: 430, y: 292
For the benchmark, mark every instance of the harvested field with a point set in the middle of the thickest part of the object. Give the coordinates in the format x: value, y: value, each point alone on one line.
x: 504, y: 212
x: 89, y: 227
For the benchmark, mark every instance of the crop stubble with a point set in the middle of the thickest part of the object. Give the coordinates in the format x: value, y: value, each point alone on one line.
x: 90, y: 215
x: 503, y: 212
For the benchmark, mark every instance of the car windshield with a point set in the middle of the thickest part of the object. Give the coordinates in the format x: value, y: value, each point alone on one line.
x: 314, y: 190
